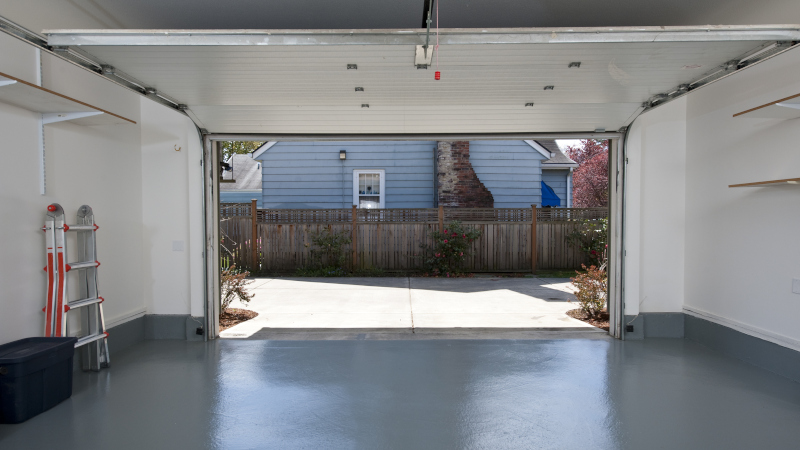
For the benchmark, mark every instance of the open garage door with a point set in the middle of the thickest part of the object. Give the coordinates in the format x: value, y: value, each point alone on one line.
x: 367, y: 82
x: 368, y: 85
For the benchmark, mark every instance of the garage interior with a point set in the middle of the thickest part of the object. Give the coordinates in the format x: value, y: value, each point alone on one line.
x: 119, y: 106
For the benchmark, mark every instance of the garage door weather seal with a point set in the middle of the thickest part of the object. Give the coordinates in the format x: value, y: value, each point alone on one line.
x: 449, y: 36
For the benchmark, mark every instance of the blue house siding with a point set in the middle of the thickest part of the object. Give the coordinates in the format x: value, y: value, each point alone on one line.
x: 557, y: 180
x: 311, y: 175
x: 240, y: 197
x: 511, y: 170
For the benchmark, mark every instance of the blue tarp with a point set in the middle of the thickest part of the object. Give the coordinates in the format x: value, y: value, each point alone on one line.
x: 549, y: 197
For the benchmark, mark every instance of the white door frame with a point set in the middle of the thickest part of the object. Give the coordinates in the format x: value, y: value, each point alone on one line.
x: 616, y: 252
x: 616, y: 205
x: 211, y: 252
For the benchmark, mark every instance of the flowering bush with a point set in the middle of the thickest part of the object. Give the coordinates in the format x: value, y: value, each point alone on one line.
x: 450, y: 247
x: 592, y: 287
x: 592, y: 238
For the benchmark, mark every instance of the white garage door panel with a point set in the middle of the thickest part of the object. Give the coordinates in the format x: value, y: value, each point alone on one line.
x: 414, y: 119
x: 484, y: 87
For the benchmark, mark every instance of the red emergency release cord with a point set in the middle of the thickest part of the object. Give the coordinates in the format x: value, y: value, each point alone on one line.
x: 437, y: 75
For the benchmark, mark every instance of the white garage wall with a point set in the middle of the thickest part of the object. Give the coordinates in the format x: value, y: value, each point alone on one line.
x: 18, y: 59
x: 172, y: 219
x: 98, y: 166
x: 655, y: 210
x: 742, y: 244
x: 110, y: 169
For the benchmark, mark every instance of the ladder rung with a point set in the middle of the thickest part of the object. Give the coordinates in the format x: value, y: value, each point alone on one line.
x: 85, y: 302
x: 81, y: 228
x: 82, y: 265
x: 88, y: 339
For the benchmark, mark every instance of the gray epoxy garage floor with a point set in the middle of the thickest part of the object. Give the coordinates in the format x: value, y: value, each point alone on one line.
x: 433, y: 394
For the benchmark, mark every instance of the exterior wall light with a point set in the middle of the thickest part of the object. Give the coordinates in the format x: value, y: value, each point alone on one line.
x: 343, y: 154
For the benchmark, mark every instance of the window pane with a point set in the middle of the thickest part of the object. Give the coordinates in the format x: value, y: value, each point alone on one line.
x: 369, y: 190
x: 369, y: 201
x: 369, y: 183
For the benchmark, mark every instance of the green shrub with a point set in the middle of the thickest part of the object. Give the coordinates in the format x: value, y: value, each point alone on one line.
x: 449, y: 250
x: 328, y: 254
x: 370, y: 271
x: 321, y: 272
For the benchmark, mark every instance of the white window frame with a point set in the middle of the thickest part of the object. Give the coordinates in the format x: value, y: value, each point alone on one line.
x: 381, y: 173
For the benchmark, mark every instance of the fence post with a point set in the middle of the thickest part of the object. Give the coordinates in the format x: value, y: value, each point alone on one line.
x: 254, y: 236
x: 354, y: 237
x: 441, y: 218
x: 533, y: 239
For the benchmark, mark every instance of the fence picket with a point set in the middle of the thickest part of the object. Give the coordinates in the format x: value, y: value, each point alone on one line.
x: 390, y: 239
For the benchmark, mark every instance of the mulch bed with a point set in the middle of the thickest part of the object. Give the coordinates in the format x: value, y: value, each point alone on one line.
x: 234, y: 316
x: 601, y: 322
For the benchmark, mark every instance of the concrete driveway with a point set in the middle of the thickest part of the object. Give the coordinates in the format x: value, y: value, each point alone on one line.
x: 415, y: 305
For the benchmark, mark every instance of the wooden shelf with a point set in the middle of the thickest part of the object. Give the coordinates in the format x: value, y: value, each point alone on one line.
x: 55, y: 107
x: 768, y: 183
x: 785, y: 108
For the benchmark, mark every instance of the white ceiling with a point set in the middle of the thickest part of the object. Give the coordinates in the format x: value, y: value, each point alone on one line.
x: 307, y: 89
x: 290, y: 88
x: 371, y: 14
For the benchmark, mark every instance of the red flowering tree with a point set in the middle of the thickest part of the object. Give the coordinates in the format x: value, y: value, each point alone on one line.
x: 590, y: 179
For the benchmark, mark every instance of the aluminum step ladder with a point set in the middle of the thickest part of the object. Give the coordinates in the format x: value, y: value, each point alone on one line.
x: 94, y: 342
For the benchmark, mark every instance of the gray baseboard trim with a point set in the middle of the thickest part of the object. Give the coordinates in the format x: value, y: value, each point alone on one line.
x: 664, y: 325
x: 192, y: 324
x: 638, y: 328
x: 767, y: 355
x: 120, y: 337
x: 149, y: 327
x: 655, y: 325
x: 125, y: 335
x: 154, y: 326
x: 172, y: 326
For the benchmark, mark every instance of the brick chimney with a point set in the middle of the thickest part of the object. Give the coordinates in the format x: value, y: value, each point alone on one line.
x: 459, y: 186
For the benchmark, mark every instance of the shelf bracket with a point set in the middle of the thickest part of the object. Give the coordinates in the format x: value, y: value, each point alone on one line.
x: 790, y: 104
x: 61, y: 117
x: 54, y: 118
x: 42, y: 169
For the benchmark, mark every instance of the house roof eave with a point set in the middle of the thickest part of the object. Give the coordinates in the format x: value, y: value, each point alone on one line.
x: 264, y: 147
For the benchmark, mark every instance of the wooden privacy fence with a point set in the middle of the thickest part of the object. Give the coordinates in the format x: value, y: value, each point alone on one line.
x: 391, y: 239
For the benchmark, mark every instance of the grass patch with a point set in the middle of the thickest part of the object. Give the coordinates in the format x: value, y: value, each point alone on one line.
x: 321, y: 272
x: 339, y: 272
x: 378, y: 273
x: 557, y: 273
